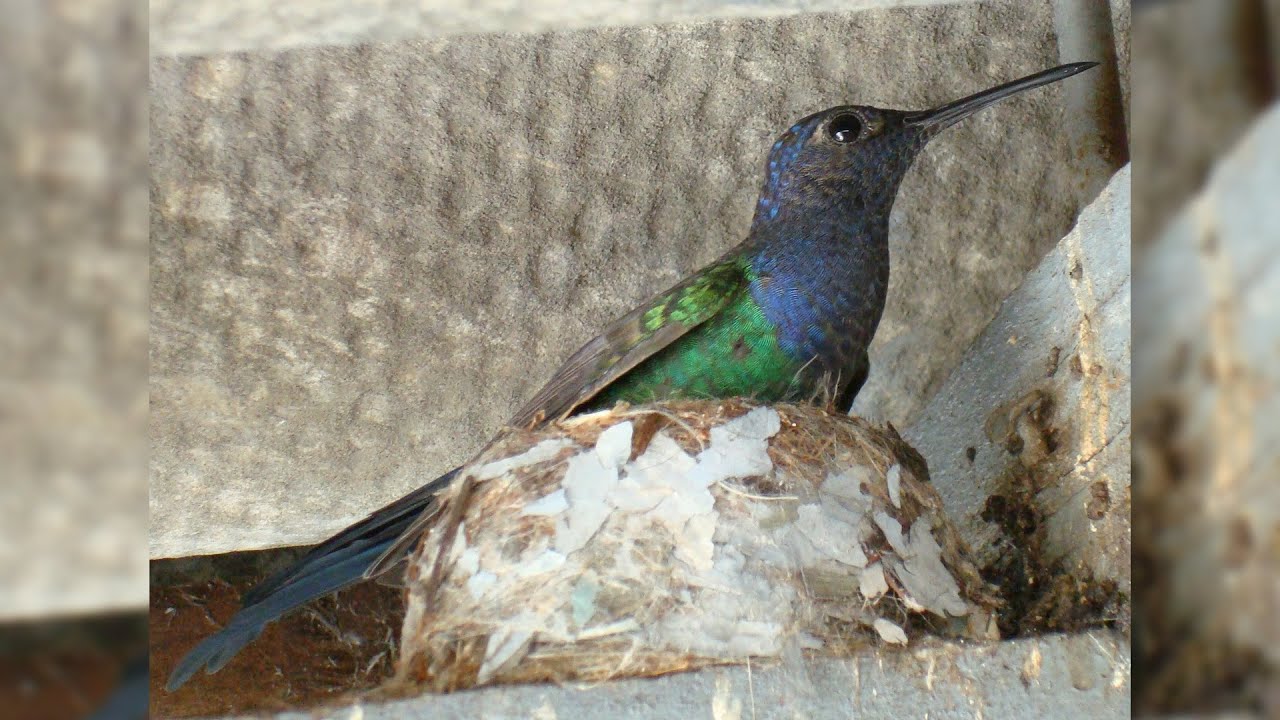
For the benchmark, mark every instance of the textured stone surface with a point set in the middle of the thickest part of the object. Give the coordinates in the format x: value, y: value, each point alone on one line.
x: 1040, y: 405
x: 1207, y: 447
x: 186, y: 27
x: 364, y: 258
x: 1200, y: 73
x: 1084, y: 30
x: 73, y: 301
x: 1122, y: 37
x: 1052, y: 677
x: 1273, y: 38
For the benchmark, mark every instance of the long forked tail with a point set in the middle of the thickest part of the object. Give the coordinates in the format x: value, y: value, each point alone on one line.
x: 336, y: 563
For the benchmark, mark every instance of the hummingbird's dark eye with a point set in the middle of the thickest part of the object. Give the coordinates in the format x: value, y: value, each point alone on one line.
x: 844, y: 128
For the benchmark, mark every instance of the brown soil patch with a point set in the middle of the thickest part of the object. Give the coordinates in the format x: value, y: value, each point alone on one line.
x: 337, y: 645
x: 67, y: 668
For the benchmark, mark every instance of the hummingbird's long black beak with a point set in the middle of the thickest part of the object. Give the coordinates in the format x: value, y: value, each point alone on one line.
x: 953, y: 112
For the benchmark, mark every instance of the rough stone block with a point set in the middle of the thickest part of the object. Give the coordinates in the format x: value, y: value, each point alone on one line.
x: 1273, y: 34
x: 1207, y: 444
x: 197, y: 27
x: 365, y: 258
x: 1028, y: 440
x: 1122, y: 36
x: 73, y: 331
x: 1200, y: 74
x: 1059, y: 677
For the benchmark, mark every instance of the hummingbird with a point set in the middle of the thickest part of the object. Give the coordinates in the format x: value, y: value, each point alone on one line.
x: 787, y: 315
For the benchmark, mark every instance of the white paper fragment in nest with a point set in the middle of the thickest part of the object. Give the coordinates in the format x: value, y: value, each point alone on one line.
x: 890, y: 632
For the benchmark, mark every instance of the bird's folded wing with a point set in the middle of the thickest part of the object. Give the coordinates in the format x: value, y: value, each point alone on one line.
x: 623, y: 345
x: 634, y: 338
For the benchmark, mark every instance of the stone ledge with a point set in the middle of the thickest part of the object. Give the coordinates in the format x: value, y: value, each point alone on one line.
x: 1055, y: 677
x: 1207, y: 444
x: 186, y: 27
x: 1037, y: 416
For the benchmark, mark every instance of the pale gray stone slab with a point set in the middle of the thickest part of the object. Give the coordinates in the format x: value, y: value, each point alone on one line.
x: 364, y: 258
x: 1207, y: 384
x: 1042, y: 397
x: 73, y: 308
x: 195, y: 27
x: 1054, y: 677
x: 1088, y: 29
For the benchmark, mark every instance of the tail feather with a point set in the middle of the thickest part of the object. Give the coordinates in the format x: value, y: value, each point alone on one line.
x: 334, y: 564
x: 388, y: 522
x: 129, y: 700
x: 216, y: 651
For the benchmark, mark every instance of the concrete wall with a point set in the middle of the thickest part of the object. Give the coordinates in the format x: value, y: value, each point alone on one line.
x: 73, y: 308
x: 365, y: 256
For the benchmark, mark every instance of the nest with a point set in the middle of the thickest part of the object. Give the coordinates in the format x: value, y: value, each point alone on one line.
x: 643, y: 541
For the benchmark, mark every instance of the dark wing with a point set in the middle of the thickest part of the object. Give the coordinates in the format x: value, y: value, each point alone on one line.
x: 623, y: 345
x: 634, y: 338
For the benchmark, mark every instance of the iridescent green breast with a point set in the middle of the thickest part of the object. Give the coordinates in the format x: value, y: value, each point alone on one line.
x: 734, y: 354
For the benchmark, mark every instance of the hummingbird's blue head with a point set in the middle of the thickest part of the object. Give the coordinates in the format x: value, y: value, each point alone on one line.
x: 848, y: 161
x: 851, y: 157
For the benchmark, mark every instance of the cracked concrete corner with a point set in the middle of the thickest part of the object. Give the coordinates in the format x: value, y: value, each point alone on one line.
x: 1208, y: 441
x: 363, y: 258
x: 1040, y: 408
